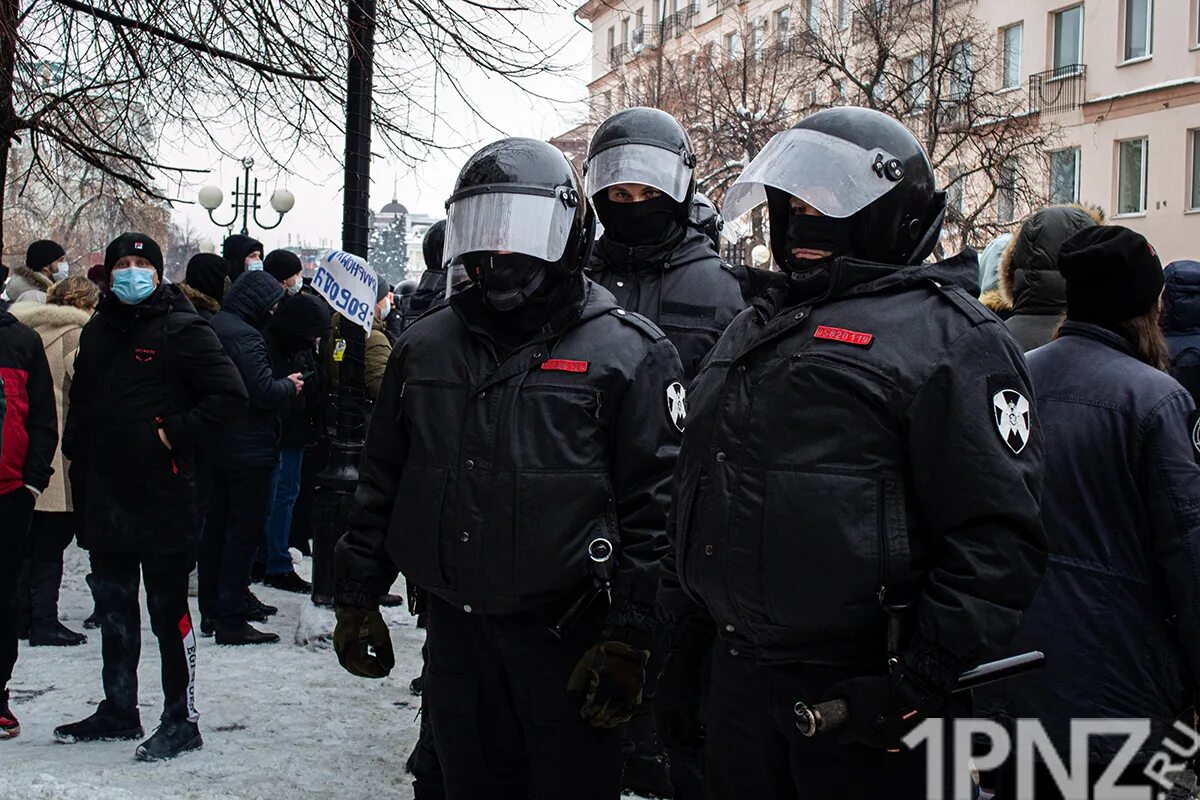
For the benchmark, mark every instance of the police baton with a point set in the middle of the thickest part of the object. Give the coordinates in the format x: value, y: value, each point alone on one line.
x: 832, y: 714
x: 600, y: 553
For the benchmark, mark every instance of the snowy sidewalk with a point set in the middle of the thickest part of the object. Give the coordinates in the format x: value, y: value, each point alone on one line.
x: 278, y: 720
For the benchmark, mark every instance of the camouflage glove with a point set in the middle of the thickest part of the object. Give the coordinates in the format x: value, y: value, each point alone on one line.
x: 610, y: 676
x: 362, y: 642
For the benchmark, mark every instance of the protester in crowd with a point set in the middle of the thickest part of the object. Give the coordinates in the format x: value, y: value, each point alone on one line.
x: 4, y: 301
x: 989, y: 276
x: 59, y: 321
x: 285, y: 267
x: 151, y: 385
x: 204, y: 283
x: 1118, y: 611
x: 1181, y: 322
x: 242, y: 254
x: 28, y: 439
x: 45, y: 263
x: 378, y: 347
x: 431, y: 289
x: 242, y: 458
x: 293, y: 333
x: 1028, y: 271
x: 95, y: 274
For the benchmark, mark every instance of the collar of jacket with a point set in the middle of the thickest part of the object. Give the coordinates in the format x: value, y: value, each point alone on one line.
x: 688, y: 246
x: 1098, y: 333
x: 167, y: 297
x: 850, y: 277
x: 595, y: 301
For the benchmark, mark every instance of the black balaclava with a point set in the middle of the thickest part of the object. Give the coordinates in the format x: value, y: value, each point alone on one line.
x: 508, y: 281
x: 818, y: 233
x: 639, y: 224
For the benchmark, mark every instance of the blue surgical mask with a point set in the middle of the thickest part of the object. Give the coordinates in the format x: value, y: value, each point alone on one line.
x: 254, y: 266
x: 132, y: 285
x: 293, y: 288
x: 61, y: 270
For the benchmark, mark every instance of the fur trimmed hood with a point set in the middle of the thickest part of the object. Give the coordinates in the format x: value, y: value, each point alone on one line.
x: 23, y: 279
x: 200, y: 300
x: 1028, y: 272
x: 51, y: 321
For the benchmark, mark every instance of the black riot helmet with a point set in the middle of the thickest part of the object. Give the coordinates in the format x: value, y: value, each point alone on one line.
x: 520, y: 196
x: 849, y: 163
x: 707, y: 219
x: 431, y: 245
x: 646, y: 146
x: 405, y: 287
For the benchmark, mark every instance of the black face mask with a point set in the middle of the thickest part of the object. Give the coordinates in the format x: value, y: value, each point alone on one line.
x: 637, y: 224
x: 818, y: 233
x: 508, y: 281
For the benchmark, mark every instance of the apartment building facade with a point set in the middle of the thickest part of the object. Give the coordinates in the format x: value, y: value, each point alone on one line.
x: 1119, y: 81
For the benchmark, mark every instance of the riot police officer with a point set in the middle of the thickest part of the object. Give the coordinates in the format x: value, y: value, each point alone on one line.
x: 639, y: 173
x: 517, y: 470
x: 853, y: 506
x: 431, y: 289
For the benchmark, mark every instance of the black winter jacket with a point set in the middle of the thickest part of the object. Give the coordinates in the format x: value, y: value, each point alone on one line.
x: 683, y: 287
x: 842, y: 448
x: 28, y: 419
x: 139, y: 368
x: 1118, y: 612
x: 1181, y: 322
x: 290, y: 336
x: 485, y: 481
x: 252, y: 441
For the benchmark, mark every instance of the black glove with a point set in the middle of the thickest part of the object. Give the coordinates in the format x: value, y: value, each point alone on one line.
x: 882, y: 709
x: 362, y: 642
x: 677, y: 703
x: 611, y: 675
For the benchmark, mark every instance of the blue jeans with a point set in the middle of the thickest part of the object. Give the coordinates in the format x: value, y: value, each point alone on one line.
x: 285, y: 488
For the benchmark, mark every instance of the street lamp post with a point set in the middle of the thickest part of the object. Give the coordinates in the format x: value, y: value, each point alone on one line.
x: 245, y: 201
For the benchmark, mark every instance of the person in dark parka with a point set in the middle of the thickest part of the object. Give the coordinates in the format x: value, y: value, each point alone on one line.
x: 1181, y: 322
x: 242, y: 457
x: 242, y: 254
x: 204, y: 283
x: 1029, y: 279
x: 1118, y: 611
x: 151, y: 385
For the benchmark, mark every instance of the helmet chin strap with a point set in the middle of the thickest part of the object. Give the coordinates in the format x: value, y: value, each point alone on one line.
x: 511, y: 299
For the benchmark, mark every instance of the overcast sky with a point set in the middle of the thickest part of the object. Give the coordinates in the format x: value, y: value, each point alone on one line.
x: 317, y: 182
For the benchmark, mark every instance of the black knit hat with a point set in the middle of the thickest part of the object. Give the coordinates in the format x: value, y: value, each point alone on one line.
x: 235, y: 249
x: 43, y: 253
x: 1113, y: 274
x: 206, y: 273
x: 282, y: 264
x: 133, y: 244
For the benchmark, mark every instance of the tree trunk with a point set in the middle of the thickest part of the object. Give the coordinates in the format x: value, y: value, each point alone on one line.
x: 9, y: 11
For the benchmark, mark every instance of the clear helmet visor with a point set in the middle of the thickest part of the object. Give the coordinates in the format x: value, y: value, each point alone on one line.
x: 536, y: 224
x: 835, y: 176
x: 646, y: 164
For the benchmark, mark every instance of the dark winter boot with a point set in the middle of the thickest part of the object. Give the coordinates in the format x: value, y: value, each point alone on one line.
x: 647, y: 770
x: 260, y: 607
x: 92, y: 622
x: 9, y: 726
x: 45, y: 578
x: 107, y: 724
x: 288, y: 582
x: 172, y: 738
x: 207, y: 627
x: 238, y: 631
x: 258, y: 571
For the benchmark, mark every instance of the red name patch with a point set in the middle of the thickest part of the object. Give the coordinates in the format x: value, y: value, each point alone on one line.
x: 564, y: 365
x: 846, y: 337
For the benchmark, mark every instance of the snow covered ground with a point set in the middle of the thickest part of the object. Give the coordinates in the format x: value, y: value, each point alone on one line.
x: 279, y: 721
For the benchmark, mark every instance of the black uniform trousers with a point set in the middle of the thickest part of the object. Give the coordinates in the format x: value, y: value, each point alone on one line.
x: 115, y: 590
x: 237, y: 516
x: 16, y: 516
x: 753, y: 749
x: 504, y: 723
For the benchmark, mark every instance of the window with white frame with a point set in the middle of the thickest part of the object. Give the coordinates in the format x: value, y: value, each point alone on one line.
x: 1139, y: 29
x: 1068, y: 37
x: 812, y: 15
x: 918, y: 82
x: 783, y: 18
x: 1012, y: 43
x: 612, y: 39
x: 759, y: 32
x: 1195, y: 137
x: 1132, y: 156
x: 843, y: 14
x: 1064, y: 175
x: 961, y: 76
x: 1006, y: 207
x: 955, y: 184
x: 640, y: 17
x: 733, y: 44
x: 625, y: 31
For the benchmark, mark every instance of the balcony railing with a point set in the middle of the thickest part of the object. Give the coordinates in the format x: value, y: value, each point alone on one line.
x: 1058, y: 90
x: 644, y: 37
x: 616, y: 55
x: 675, y: 24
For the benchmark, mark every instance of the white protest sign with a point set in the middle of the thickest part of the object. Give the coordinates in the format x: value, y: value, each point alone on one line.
x: 349, y: 285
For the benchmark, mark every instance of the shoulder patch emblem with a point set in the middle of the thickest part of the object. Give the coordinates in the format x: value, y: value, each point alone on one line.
x: 677, y: 405
x: 1010, y: 411
x: 1196, y: 433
